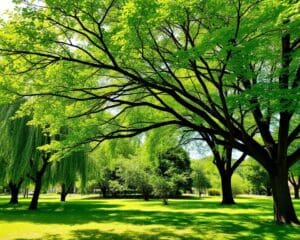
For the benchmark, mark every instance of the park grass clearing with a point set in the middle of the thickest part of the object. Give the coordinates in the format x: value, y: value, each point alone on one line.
x: 109, y: 219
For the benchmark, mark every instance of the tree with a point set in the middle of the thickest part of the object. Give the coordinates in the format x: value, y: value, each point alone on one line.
x: 226, y: 166
x: 200, y: 180
x: 116, y: 188
x: 100, y: 168
x: 24, y: 159
x: 171, y: 173
x: 162, y: 187
x: 102, y: 180
x: 136, y: 174
x: 257, y: 176
x: 174, y: 163
x: 66, y: 172
x: 104, y: 162
x: 200, y: 64
x: 294, y: 178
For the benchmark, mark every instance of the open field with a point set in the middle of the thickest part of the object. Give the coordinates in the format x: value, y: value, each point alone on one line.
x: 87, y: 218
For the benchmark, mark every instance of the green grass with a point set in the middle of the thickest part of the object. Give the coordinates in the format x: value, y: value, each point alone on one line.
x: 130, y: 219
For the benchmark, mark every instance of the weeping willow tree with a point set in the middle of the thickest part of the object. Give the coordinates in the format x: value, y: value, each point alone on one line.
x: 16, y: 148
x: 67, y: 170
x: 19, y: 152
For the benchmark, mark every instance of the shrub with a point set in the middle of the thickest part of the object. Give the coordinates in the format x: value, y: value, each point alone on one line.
x: 214, y: 192
x: 136, y: 175
x: 162, y: 187
x: 115, y: 187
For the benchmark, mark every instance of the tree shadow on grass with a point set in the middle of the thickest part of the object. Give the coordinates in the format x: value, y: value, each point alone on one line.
x: 204, y: 203
x: 95, y: 234
x: 157, y: 234
x: 129, y: 235
x: 203, y: 225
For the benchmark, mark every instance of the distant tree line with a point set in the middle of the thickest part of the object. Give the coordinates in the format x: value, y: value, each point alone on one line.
x: 26, y: 164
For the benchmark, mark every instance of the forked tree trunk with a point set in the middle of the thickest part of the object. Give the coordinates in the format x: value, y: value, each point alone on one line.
x: 227, y: 195
x: 284, y: 211
x: 226, y: 168
x: 14, y: 192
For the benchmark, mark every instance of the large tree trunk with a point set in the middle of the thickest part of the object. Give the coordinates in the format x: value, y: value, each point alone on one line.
x: 284, y: 211
x: 227, y: 196
x: 37, y: 190
x: 14, y: 192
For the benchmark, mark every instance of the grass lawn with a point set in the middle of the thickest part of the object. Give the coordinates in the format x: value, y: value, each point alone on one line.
x: 86, y: 218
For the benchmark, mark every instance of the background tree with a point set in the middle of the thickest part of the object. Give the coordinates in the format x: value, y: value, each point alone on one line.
x: 226, y: 166
x: 294, y: 178
x: 257, y: 176
x: 174, y: 163
x: 67, y: 170
x: 105, y: 164
x: 223, y: 160
x: 200, y: 180
x: 136, y: 173
x: 162, y: 187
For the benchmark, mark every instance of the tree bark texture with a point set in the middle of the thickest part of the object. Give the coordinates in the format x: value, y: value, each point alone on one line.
x: 284, y: 212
